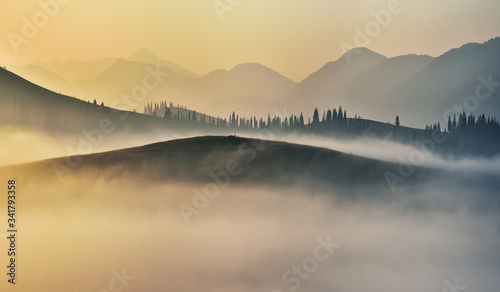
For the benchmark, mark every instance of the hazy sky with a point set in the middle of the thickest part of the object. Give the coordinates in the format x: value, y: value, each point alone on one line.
x: 294, y: 37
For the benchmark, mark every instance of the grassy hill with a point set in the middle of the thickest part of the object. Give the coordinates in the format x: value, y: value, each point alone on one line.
x: 243, y: 161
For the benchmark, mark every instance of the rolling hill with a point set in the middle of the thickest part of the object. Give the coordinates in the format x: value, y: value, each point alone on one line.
x: 258, y: 161
x: 249, y: 162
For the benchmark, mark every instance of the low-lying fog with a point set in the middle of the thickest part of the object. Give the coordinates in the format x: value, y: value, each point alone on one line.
x: 417, y: 155
x: 20, y: 146
x: 81, y: 233
x: 76, y: 235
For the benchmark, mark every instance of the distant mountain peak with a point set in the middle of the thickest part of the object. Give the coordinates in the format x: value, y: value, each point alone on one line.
x: 362, y: 54
x: 143, y: 55
x: 120, y: 61
x: 245, y: 68
x: 250, y: 66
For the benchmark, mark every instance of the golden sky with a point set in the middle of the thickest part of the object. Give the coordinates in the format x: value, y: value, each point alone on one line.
x: 294, y: 37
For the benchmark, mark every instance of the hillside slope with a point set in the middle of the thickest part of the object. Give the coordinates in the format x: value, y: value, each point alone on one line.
x: 232, y: 159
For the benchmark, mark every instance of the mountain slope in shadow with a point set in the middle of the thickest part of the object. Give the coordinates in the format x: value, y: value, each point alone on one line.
x: 216, y: 163
x: 224, y: 160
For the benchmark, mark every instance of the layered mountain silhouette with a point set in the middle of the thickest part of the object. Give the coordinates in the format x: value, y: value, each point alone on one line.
x: 420, y: 89
x: 62, y: 76
x: 145, y: 56
x: 241, y: 86
x: 28, y: 105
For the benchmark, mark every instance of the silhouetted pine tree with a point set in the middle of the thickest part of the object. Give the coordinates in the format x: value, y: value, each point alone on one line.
x: 315, y: 122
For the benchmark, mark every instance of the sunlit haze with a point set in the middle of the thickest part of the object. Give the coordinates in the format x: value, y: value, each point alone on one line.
x: 250, y: 145
x: 294, y: 38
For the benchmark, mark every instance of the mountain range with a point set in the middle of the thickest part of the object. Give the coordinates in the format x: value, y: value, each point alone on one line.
x: 420, y: 89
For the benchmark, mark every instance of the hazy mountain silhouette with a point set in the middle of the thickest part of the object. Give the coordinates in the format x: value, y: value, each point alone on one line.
x: 418, y: 88
x: 246, y: 88
x: 78, y: 70
x: 145, y: 56
x: 218, y: 93
x: 323, y: 88
x: 63, y: 77
x: 121, y: 77
x: 371, y: 86
x: 459, y: 94
x: 251, y: 79
x: 432, y: 90
x: 244, y: 84
x: 40, y: 75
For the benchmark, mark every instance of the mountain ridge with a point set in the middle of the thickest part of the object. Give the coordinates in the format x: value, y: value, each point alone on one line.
x: 363, y: 81
x: 420, y: 86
